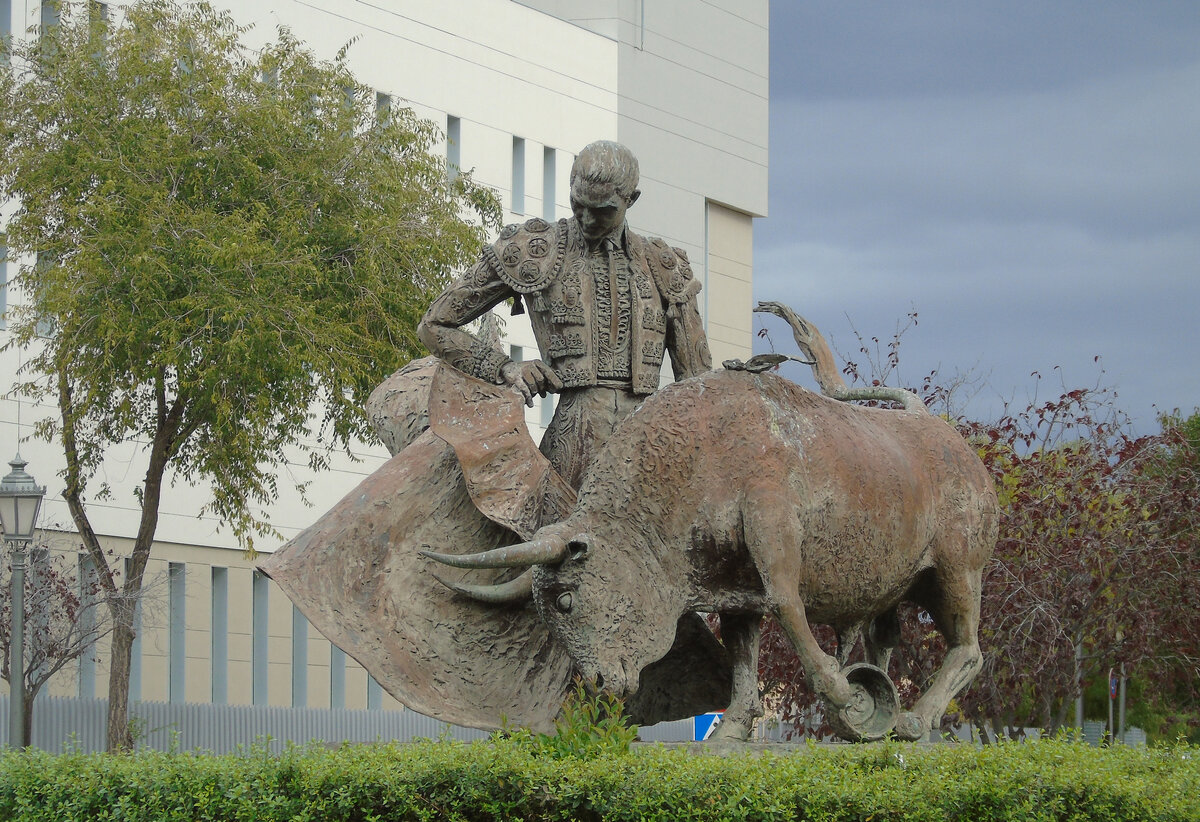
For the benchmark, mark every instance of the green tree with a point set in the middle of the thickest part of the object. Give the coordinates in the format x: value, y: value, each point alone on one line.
x: 226, y: 240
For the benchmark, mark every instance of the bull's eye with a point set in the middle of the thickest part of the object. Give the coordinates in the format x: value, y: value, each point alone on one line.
x: 563, y: 603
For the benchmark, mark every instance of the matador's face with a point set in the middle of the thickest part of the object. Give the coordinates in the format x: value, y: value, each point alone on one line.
x: 598, y: 207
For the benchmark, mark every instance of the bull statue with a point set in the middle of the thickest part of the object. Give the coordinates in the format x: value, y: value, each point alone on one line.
x: 742, y: 494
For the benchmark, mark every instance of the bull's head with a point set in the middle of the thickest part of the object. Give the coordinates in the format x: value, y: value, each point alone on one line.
x: 605, y: 596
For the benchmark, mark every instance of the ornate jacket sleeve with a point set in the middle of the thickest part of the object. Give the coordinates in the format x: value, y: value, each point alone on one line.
x: 686, y: 340
x: 467, y: 299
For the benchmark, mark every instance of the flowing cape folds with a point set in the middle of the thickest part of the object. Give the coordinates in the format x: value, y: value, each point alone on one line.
x: 465, y: 477
x: 358, y: 576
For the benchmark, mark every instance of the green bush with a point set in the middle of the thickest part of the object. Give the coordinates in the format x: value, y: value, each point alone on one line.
x: 590, y: 725
x: 511, y: 779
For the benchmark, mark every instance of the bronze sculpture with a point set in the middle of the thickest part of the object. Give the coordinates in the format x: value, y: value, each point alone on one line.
x: 743, y: 494
x: 731, y: 492
x: 605, y: 304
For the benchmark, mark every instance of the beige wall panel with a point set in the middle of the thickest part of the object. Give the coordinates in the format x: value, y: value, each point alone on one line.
x: 154, y: 678
x: 240, y: 674
x: 241, y: 649
x: 356, y: 687
x: 279, y: 684
x: 318, y: 686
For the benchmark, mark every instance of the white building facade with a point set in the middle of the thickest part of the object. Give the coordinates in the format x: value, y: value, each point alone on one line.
x: 518, y: 86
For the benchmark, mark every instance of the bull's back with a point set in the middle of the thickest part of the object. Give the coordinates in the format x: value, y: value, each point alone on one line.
x: 862, y: 493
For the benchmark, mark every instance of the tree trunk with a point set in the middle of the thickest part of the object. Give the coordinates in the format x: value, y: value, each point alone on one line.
x: 27, y: 730
x: 118, y: 737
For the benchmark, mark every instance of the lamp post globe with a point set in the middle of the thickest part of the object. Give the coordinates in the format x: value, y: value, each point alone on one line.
x: 20, y: 501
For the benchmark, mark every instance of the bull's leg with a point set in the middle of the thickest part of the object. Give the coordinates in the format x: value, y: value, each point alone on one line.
x: 822, y: 670
x: 881, y: 638
x: 954, y: 606
x: 847, y: 638
x: 740, y: 633
x: 774, y: 537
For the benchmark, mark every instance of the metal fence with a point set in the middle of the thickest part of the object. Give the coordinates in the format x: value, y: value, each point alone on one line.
x: 61, y: 724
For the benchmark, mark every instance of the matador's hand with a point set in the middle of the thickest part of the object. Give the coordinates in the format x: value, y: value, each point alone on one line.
x: 531, y: 377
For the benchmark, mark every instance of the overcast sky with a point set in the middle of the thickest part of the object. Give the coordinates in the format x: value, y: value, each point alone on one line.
x: 1025, y: 175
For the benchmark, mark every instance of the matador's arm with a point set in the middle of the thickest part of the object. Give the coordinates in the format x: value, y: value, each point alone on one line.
x: 686, y: 340
x: 468, y: 298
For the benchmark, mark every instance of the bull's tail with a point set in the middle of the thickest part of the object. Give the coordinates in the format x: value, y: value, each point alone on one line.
x: 816, y: 350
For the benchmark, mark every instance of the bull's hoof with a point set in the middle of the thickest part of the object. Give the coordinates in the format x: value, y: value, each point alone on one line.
x: 911, y: 727
x: 873, y: 707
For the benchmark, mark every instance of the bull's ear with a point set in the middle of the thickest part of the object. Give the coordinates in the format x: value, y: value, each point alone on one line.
x: 577, y: 548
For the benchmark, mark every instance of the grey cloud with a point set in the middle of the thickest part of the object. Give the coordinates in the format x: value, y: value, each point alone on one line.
x: 1029, y: 227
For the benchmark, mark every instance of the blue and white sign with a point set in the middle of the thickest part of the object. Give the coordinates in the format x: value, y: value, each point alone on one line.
x: 705, y: 724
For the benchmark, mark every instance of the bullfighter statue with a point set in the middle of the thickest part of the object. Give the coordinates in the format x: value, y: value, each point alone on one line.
x: 605, y: 304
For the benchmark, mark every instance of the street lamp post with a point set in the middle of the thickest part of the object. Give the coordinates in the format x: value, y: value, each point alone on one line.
x: 20, y: 500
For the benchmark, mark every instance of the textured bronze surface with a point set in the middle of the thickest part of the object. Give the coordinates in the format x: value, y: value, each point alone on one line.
x: 743, y: 494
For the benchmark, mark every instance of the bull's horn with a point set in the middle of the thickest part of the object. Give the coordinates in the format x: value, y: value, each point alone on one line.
x: 501, y: 593
x: 521, y: 555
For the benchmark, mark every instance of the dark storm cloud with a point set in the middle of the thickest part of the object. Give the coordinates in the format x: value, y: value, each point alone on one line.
x: 1024, y: 175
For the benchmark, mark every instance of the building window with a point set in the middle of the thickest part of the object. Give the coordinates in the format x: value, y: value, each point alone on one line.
x: 220, y: 635
x: 453, y: 146
x: 299, y: 659
x: 87, y: 624
x: 549, y: 162
x: 548, y: 403
x: 518, y: 175
x: 337, y: 677
x: 135, y: 664
x: 3, y: 281
x: 374, y: 694
x: 516, y: 353
x: 383, y: 108
x: 98, y: 13
x: 258, y: 641
x: 50, y: 16
x: 176, y: 632
x: 5, y: 29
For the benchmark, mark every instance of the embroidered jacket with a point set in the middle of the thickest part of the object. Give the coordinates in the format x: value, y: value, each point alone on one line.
x: 547, y: 266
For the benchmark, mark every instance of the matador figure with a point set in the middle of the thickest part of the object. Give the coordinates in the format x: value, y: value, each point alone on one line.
x: 605, y: 304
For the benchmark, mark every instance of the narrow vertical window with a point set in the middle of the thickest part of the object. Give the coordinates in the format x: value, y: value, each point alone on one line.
x: 374, y: 694
x: 176, y: 632
x: 3, y: 281
x: 549, y: 162
x: 518, y: 175
x: 517, y: 353
x: 5, y: 29
x: 258, y: 641
x: 135, y: 664
x: 453, y: 146
x: 299, y: 659
x: 87, y: 624
x: 548, y: 409
x: 98, y: 13
x: 337, y: 677
x: 50, y: 16
x: 383, y: 108
x: 45, y: 325
x: 220, y: 635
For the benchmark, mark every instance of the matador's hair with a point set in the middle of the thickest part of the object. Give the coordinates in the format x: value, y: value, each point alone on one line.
x: 607, y: 162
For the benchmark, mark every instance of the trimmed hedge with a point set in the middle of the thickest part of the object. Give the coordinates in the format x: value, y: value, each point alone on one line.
x: 510, y: 779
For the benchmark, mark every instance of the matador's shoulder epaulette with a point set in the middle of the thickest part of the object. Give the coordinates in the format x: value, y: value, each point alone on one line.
x: 528, y: 257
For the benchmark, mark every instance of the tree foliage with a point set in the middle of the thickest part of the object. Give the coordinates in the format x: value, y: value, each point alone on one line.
x: 1097, y: 564
x: 232, y: 249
